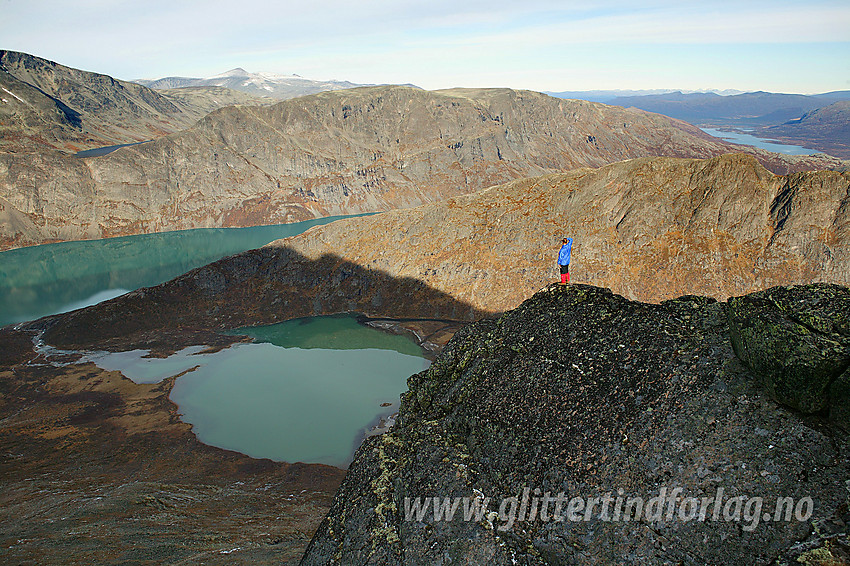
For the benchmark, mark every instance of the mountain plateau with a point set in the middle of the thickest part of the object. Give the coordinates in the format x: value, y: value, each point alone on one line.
x: 273, y: 85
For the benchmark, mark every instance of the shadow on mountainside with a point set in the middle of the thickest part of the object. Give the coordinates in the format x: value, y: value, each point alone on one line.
x: 262, y: 286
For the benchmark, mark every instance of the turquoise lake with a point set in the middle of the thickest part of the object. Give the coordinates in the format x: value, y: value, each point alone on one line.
x: 307, y: 390
x: 747, y: 139
x: 40, y: 280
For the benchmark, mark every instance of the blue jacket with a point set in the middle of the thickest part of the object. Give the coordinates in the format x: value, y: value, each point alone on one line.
x: 564, y: 254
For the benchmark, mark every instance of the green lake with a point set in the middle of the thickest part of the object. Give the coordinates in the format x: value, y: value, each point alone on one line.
x: 40, y: 280
x: 306, y: 390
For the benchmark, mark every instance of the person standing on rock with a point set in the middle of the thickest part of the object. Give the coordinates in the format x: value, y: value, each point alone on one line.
x: 564, y: 259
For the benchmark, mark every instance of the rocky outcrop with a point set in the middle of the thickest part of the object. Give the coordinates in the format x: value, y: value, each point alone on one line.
x: 798, y: 344
x: 351, y: 151
x: 650, y: 229
x: 578, y: 394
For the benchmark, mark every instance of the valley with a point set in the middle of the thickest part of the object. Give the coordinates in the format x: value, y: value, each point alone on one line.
x: 650, y: 229
x: 817, y: 121
x: 350, y: 151
x: 703, y: 344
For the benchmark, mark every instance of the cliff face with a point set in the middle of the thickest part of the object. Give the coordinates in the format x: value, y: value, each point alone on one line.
x: 582, y: 393
x: 360, y: 150
x: 650, y: 229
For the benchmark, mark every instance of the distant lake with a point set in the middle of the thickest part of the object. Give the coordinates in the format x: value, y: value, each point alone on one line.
x: 40, y: 280
x: 307, y: 390
x: 747, y: 139
x: 100, y: 151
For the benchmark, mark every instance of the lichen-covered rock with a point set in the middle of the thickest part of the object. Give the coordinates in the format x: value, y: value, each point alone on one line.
x: 797, y: 340
x: 582, y: 392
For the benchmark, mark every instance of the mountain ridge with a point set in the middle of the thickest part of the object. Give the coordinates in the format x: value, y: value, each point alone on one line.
x: 756, y: 108
x: 827, y: 128
x: 336, y: 152
x: 48, y: 107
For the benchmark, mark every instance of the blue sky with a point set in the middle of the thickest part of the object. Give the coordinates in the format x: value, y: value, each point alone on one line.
x: 776, y: 45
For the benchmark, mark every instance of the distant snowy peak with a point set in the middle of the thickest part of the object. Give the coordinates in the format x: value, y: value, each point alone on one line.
x: 237, y: 72
x: 258, y: 84
x: 241, y: 73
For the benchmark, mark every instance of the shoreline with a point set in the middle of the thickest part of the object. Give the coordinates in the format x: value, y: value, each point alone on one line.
x: 104, y: 467
x: 99, y: 432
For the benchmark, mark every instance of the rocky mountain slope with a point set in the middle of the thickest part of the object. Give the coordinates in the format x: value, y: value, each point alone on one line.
x: 342, y: 152
x: 277, y: 86
x: 45, y: 105
x: 650, y: 229
x: 204, y: 99
x: 580, y: 394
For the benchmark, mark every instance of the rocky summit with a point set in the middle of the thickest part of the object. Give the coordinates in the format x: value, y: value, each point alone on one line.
x: 350, y: 151
x: 584, y: 428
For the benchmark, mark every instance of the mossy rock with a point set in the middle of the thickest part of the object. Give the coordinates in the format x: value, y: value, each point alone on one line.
x: 797, y: 340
